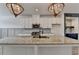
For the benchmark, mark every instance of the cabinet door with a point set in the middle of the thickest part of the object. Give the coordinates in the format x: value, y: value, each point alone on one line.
x: 0, y: 50
x: 18, y: 50
x: 11, y: 32
x: 0, y: 33
x: 28, y: 22
x: 4, y: 32
x: 54, y: 50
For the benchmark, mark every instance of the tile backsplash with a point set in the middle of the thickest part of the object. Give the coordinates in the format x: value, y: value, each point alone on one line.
x: 9, y: 32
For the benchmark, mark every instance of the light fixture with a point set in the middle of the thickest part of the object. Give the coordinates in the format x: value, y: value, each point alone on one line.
x: 15, y: 8
x: 56, y: 8
x: 36, y: 9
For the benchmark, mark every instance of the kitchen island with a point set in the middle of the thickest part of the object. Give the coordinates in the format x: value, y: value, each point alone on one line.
x: 23, y: 45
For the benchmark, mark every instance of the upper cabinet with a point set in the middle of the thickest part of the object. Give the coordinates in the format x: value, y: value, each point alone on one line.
x: 27, y: 21
x: 11, y: 22
x: 56, y: 20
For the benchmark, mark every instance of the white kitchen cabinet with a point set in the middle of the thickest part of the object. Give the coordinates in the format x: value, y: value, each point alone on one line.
x: 28, y: 22
x: 7, y: 32
x: 18, y: 50
x: 1, y: 50
x: 35, y: 50
x: 11, y: 32
x: 56, y: 29
x: 45, y: 22
x: 0, y: 33
x: 56, y: 20
x: 4, y: 32
x: 54, y: 50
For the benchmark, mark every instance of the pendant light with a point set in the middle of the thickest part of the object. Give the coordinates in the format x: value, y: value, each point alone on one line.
x: 15, y: 8
x: 56, y: 8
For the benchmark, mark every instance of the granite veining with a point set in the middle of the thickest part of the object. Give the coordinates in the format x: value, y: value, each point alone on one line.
x: 30, y: 40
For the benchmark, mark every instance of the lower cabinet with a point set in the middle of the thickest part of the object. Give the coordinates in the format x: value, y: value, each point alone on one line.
x: 0, y: 50
x: 35, y: 50
x: 18, y: 50
x: 54, y: 50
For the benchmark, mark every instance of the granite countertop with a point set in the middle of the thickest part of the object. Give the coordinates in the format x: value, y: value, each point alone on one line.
x: 52, y: 40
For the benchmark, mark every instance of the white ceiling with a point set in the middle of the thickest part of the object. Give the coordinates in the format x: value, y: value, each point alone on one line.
x: 29, y: 8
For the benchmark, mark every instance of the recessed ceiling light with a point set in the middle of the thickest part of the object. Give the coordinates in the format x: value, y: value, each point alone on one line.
x: 36, y: 9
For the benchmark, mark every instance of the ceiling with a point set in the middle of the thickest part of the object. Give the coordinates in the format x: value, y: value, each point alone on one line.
x: 29, y: 8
